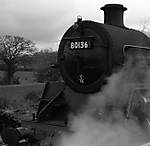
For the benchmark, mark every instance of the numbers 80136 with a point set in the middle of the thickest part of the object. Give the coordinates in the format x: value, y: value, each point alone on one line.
x: 79, y: 45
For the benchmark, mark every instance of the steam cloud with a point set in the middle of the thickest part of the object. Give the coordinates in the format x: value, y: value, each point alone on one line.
x: 102, y: 121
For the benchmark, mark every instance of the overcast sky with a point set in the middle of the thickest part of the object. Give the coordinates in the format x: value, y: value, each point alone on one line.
x: 45, y: 21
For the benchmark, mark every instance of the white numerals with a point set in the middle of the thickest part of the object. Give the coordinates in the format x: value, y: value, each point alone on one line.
x: 79, y: 45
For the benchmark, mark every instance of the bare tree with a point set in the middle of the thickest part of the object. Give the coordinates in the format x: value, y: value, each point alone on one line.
x: 11, y: 47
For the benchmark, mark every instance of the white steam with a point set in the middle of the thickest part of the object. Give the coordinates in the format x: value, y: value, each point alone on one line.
x: 88, y: 131
x: 103, y: 121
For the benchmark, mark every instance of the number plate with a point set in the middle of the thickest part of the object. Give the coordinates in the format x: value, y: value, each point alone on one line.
x: 79, y: 44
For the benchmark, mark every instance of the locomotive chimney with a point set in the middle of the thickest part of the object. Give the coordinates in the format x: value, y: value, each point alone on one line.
x: 113, y: 14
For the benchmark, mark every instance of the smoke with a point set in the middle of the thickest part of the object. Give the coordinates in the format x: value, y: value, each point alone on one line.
x: 103, y: 120
x: 88, y: 131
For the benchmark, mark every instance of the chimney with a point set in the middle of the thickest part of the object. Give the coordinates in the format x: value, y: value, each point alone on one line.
x: 113, y: 14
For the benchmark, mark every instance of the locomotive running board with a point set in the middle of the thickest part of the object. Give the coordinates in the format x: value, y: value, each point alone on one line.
x: 132, y: 51
x: 126, y: 48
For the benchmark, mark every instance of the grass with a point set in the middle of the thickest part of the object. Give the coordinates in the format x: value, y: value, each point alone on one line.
x: 18, y: 98
x: 14, y: 97
x: 16, y: 92
x: 21, y: 98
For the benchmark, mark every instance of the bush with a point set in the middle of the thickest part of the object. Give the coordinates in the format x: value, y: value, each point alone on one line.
x: 3, y: 67
x: 4, y: 81
x: 32, y: 97
x: 16, y: 80
x: 46, y: 73
x: 4, y: 103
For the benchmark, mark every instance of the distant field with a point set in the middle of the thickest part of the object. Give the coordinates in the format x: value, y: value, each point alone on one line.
x: 17, y: 93
x: 20, y: 91
x: 25, y: 77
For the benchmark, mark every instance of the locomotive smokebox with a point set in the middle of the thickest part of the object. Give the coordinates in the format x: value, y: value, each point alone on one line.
x: 113, y: 14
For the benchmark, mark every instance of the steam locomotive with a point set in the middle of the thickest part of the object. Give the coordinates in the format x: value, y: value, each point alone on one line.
x: 88, y: 53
